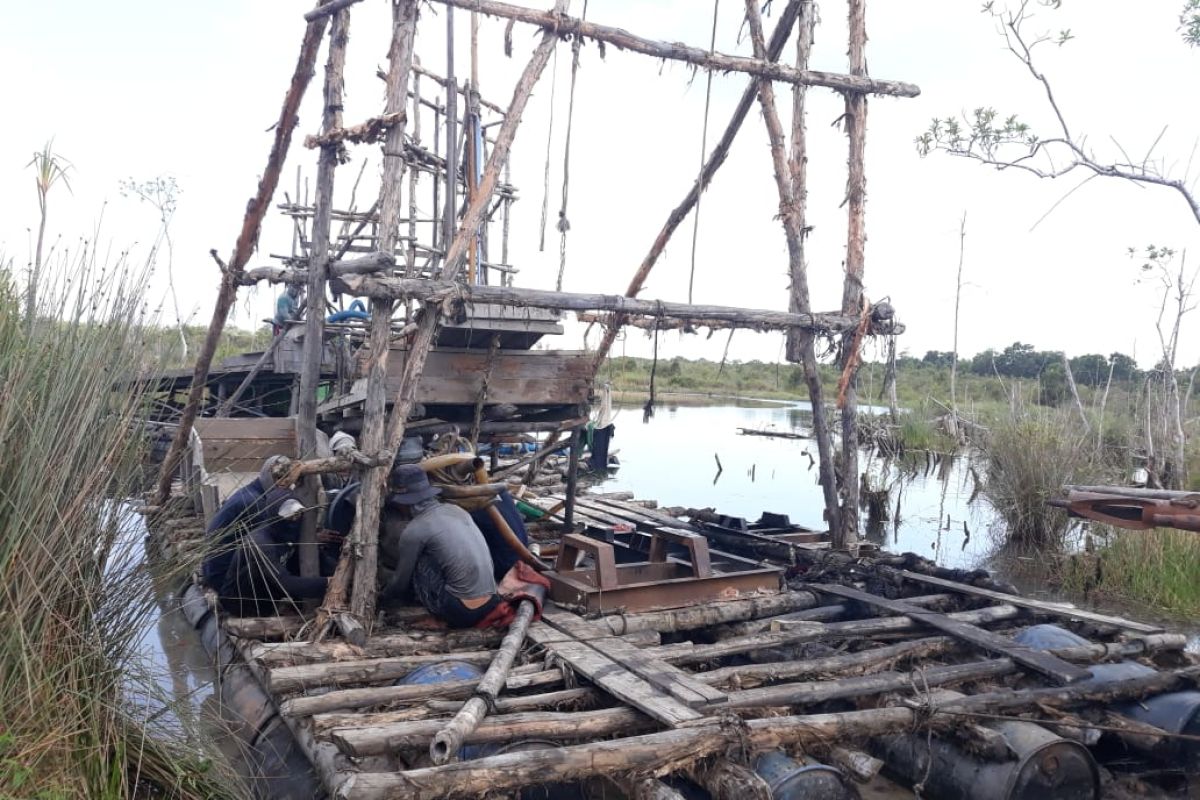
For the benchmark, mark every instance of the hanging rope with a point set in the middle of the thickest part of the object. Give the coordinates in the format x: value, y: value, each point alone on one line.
x: 549, y: 140
x: 563, y: 224
x: 648, y: 409
x: 712, y: 46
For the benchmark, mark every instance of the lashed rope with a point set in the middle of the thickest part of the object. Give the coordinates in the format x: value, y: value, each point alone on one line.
x: 563, y: 224
x: 712, y: 46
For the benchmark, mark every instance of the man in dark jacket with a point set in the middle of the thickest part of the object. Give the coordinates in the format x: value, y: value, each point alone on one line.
x: 259, y: 581
x: 246, y: 509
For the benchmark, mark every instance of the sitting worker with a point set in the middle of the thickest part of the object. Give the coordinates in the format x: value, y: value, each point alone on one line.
x: 287, y: 307
x: 441, y: 557
x: 259, y: 580
x: 246, y: 509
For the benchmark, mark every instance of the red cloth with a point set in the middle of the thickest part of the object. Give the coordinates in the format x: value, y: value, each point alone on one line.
x: 522, y: 582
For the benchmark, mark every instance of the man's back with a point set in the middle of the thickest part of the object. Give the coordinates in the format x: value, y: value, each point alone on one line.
x: 448, y: 535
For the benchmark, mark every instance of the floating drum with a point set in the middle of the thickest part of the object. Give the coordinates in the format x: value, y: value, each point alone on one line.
x: 1044, y: 765
x: 792, y: 780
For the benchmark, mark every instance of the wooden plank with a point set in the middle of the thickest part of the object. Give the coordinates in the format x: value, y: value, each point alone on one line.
x: 246, y: 428
x: 1045, y: 663
x: 1043, y: 606
x: 674, y: 681
x: 623, y: 684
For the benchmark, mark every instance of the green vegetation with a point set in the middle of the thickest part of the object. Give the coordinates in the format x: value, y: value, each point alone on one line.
x: 1156, y: 569
x: 74, y: 596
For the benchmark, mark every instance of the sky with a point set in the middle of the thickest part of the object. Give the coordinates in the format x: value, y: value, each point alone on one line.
x: 143, y: 89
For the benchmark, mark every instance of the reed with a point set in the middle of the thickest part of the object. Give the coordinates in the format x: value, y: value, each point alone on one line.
x: 1156, y: 569
x: 74, y: 598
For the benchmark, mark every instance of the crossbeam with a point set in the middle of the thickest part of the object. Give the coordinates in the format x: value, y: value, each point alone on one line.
x: 564, y: 25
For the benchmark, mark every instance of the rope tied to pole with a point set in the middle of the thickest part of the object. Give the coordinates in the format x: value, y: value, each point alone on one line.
x: 712, y: 46
x: 563, y: 224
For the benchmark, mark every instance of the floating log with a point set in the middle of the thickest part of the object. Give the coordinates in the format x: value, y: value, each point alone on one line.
x: 284, y: 680
x: 562, y: 25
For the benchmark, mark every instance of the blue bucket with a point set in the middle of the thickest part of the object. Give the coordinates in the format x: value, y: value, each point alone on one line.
x: 441, y: 672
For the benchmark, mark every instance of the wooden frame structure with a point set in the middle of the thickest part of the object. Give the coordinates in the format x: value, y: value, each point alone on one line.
x: 381, y: 264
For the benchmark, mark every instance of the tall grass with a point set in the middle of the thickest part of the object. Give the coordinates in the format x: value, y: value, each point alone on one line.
x: 73, y: 601
x: 1156, y: 568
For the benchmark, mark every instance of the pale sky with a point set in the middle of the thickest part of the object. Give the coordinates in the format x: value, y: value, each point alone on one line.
x: 144, y: 88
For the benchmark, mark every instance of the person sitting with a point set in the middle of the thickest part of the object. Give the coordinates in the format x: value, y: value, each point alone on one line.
x: 442, y: 559
x: 260, y: 580
x: 246, y: 509
x: 287, y: 308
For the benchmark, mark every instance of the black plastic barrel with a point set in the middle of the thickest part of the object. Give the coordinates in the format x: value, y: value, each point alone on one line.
x: 791, y: 780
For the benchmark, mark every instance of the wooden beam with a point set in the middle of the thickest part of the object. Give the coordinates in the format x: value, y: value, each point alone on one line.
x: 719, y: 153
x: 246, y: 242
x: 1041, y: 606
x: 440, y: 291
x: 1047, y: 664
x: 561, y: 25
x: 362, y: 544
x: 328, y: 8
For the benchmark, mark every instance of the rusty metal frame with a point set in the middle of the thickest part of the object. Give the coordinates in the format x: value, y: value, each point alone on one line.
x: 1134, y: 513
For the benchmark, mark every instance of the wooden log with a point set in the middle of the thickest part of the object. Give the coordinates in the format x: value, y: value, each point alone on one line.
x: 279, y: 654
x: 856, y: 763
x: 714, y: 161
x: 264, y: 628
x: 244, y: 247
x: 703, y: 615
x: 379, y: 261
x: 520, y: 678
x: 1040, y: 661
x: 728, y: 780
x: 1040, y: 606
x: 363, y: 542
x: 654, y: 751
x: 440, y: 291
x: 367, y: 132
x: 452, y: 735
x: 562, y: 25
x: 845, y: 536
x: 327, y: 8
x: 285, y: 680
x: 1187, y: 498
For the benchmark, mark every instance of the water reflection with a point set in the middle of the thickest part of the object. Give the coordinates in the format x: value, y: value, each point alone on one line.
x: 673, y: 459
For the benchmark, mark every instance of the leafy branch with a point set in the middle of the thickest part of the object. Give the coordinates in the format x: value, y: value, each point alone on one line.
x: 1006, y: 142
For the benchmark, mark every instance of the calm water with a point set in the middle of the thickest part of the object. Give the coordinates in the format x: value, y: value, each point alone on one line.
x: 673, y: 459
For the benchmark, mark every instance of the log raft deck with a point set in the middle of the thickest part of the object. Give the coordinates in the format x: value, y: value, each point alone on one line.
x: 821, y: 668
x: 847, y: 650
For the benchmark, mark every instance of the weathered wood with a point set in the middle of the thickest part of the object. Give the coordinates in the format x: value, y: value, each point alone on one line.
x: 366, y: 132
x: 714, y: 161
x: 859, y: 765
x: 653, y: 751
x: 359, y: 741
x: 679, y: 684
x: 440, y: 291
x: 729, y: 780
x: 562, y: 25
x: 451, y: 735
x: 363, y: 542
x: 226, y: 407
x: 244, y: 247
x: 264, y: 628
x: 846, y: 534
x: 703, y: 615
x: 285, y: 680
x: 279, y: 654
x: 327, y: 8
x: 622, y: 684
x: 1041, y: 606
x: 1038, y: 660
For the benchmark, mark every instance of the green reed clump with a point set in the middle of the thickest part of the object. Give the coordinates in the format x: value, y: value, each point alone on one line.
x: 1158, y: 568
x: 74, y: 601
x: 1032, y: 453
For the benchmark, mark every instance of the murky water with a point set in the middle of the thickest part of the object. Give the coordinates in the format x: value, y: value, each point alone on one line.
x: 674, y: 457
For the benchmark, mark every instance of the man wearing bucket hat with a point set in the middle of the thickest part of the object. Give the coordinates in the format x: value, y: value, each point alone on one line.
x: 253, y: 505
x: 259, y: 580
x: 442, y: 558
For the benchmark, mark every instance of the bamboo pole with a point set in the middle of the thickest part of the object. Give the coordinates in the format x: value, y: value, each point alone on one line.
x: 790, y: 183
x: 362, y: 543
x: 720, y: 152
x: 562, y: 25
x: 427, y: 325
x: 246, y: 243
x: 449, y: 739
x: 318, y: 264
x: 846, y: 534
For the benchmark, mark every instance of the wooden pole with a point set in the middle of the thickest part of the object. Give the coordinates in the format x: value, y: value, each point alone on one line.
x: 720, y: 152
x: 845, y: 536
x: 227, y: 406
x: 449, y: 739
x: 318, y: 264
x: 563, y: 25
x: 363, y: 604
x: 572, y: 480
x: 362, y: 544
x: 450, y: 214
x: 790, y: 183
x: 247, y: 242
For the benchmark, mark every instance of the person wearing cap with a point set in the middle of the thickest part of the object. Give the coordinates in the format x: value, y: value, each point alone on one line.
x: 259, y: 580
x: 246, y: 509
x: 442, y: 558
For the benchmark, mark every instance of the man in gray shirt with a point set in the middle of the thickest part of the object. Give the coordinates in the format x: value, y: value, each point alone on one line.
x: 441, y: 557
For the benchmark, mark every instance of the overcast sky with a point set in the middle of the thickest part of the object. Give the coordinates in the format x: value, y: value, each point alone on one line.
x: 142, y: 88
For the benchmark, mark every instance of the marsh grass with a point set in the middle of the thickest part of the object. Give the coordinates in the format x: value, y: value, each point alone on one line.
x: 74, y: 600
x: 1158, y: 568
